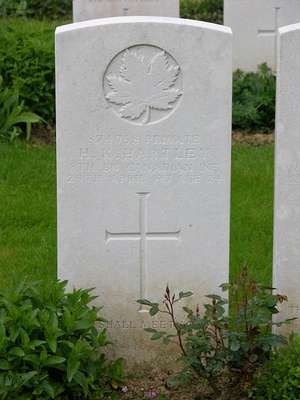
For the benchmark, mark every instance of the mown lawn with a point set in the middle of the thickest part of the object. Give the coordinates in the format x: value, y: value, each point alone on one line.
x: 27, y: 213
x: 28, y: 208
x: 252, y: 191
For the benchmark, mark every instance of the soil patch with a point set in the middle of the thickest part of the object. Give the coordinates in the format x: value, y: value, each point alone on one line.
x: 42, y: 134
x: 254, y: 139
x: 153, y: 386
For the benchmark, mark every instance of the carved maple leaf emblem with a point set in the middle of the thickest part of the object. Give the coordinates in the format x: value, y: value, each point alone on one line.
x: 143, y: 85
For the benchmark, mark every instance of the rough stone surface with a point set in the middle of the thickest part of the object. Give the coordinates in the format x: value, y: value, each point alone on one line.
x: 287, y: 185
x: 255, y: 24
x: 92, y: 9
x: 144, y: 144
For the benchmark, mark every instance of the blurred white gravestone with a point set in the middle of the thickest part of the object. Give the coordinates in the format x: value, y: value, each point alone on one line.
x: 286, y: 267
x: 144, y: 144
x: 255, y: 25
x: 92, y: 9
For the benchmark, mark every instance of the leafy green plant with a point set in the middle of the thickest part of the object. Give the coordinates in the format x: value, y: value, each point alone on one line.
x: 13, y: 115
x: 203, y: 10
x: 279, y: 379
x: 50, y: 347
x: 12, y: 7
x: 27, y: 63
x: 51, y: 9
x: 254, y: 100
x: 224, y: 350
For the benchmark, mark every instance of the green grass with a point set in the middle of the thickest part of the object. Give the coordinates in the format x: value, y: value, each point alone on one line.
x: 252, y: 210
x: 27, y: 213
x: 28, y: 209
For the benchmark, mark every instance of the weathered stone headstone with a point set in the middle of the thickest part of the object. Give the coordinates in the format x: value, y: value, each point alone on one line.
x: 92, y: 9
x: 255, y: 25
x: 287, y: 181
x: 143, y: 138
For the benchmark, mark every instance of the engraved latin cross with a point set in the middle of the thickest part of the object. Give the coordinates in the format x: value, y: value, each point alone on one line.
x: 143, y: 235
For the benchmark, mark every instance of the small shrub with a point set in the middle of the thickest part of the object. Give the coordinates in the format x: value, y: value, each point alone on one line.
x: 202, y: 10
x: 50, y: 9
x: 50, y: 347
x: 279, y: 379
x: 12, y: 7
x: 27, y: 63
x: 254, y: 100
x: 13, y: 115
x: 226, y: 351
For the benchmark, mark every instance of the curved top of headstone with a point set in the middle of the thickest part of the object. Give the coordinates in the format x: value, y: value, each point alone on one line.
x: 140, y: 20
x: 289, y: 29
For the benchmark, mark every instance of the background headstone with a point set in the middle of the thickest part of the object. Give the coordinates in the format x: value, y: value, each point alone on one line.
x: 144, y: 144
x: 287, y: 175
x: 255, y: 25
x: 92, y: 9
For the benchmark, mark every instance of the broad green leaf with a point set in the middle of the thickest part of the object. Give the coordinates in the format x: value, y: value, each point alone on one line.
x: 225, y: 287
x: 153, y: 311
x: 33, y: 358
x: 48, y: 389
x: 145, y: 302
x: 185, y: 294
x: 72, y: 368
x: 4, y: 365
x: 27, y: 117
x: 53, y: 323
x: 83, y: 324
x: 14, y: 332
x: 157, y: 335
x: 52, y: 343
x: 187, y: 310
x: 43, y: 355
x: 16, y: 351
x: 54, y: 360
x: 27, y: 376
x: 24, y: 337
x: 214, y: 297
x: 166, y: 340
x: 36, y: 343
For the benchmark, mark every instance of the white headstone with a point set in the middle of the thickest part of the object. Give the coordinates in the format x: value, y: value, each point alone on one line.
x: 286, y: 268
x: 84, y: 10
x: 255, y: 25
x: 144, y: 144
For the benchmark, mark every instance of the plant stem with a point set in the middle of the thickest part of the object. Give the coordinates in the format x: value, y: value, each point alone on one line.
x: 178, y: 330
